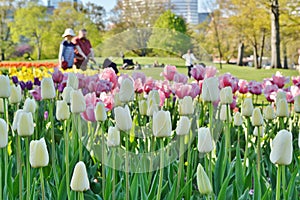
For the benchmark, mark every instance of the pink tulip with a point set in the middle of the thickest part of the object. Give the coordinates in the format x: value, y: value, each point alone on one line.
x: 138, y: 86
x: 255, y: 87
x: 296, y: 80
x: 89, y: 114
x: 280, y: 80
x: 139, y: 75
x: 169, y: 72
x: 182, y: 90
x: 149, y: 85
x: 233, y: 104
x: 57, y: 76
x: 162, y: 98
x: 200, y: 86
x: 90, y: 99
x: 270, y: 92
x: 198, y: 72
x: 210, y: 72
x: 164, y: 86
x: 243, y: 86
x: 109, y: 75
x: 295, y: 91
x: 228, y: 80
x: 195, y: 90
x: 36, y: 93
x: 180, y: 78
x: 108, y: 100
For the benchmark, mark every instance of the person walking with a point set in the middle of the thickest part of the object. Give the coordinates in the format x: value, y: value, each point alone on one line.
x: 66, y: 50
x: 83, y: 51
x: 189, y: 58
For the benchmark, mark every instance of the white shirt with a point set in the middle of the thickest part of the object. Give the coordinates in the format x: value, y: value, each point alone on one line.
x: 189, y: 58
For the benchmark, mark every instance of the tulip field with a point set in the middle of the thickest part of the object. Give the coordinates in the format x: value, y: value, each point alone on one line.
x: 100, y: 135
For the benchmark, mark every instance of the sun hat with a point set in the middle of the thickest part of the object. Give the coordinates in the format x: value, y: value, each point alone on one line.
x: 67, y: 32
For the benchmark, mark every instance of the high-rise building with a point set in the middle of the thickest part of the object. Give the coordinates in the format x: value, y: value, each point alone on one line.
x: 55, y: 3
x: 188, y: 9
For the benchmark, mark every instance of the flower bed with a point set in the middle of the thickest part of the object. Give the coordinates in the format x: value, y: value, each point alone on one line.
x: 102, y: 136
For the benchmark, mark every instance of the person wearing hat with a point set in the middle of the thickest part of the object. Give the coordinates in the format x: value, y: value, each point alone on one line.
x: 66, y: 50
x: 83, y: 51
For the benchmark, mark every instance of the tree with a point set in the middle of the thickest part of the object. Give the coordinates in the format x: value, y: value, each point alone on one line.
x: 275, y: 34
x: 95, y: 13
x: 32, y: 23
x: 170, y: 35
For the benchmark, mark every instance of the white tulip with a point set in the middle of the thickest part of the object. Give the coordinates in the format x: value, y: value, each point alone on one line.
x: 80, y: 181
x: 205, y: 140
x: 72, y: 81
x: 39, y: 156
x: 238, y: 119
x: 282, y: 148
x: 29, y: 105
x: 226, y: 96
x: 16, y: 119
x: 3, y: 134
x: 185, y: 106
x: 153, y: 94
x: 269, y: 113
x: 113, y: 138
x: 162, y: 125
x: 143, y: 107
x: 247, y: 107
x: 100, y: 112
x: 210, y: 89
x: 1, y: 106
x: 223, y: 113
x: 25, y: 124
x: 66, y: 94
x: 257, y: 118
x: 126, y: 92
x: 203, y: 182
x: 297, y: 103
x: 183, y: 126
x: 47, y: 88
x: 261, y: 131
x: 152, y: 106
x: 282, y: 109
x: 62, y: 110
x: 5, y: 87
x: 16, y: 94
x: 78, y: 104
x: 117, y: 101
x: 280, y: 95
x: 123, y: 118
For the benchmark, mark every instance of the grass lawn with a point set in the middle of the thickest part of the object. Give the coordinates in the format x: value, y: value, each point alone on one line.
x: 247, y: 73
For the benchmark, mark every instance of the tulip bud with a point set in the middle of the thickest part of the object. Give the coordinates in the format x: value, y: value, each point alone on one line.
x: 282, y: 109
x: 210, y: 89
x: 66, y: 94
x: 204, y: 185
x: 223, y: 113
x: 77, y: 102
x: 237, y: 119
x: 269, y: 113
x: 280, y: 95
x: 100, y: 112
x: 226, y: 96
x: 162, y: 126
x: 123, y: 118
x: 3, y: 134
x: 257, y: 119
x: 25, y: 124
x: 183, y: 126
x: 143, y: 107
x: 72, y: 81
x: 153, y: 106
x: 16, y: 119
x: 126, y: 93
x: 205, y: 140
x: 80, y: 181
x: 113, y: 138
x: 261, y: 131
x: 185, y: 106
x: 15, y: 95
x: 5, y: 87
x: 297, y: 103
x: 282, y: 148
x: 247, y: 107
x: 62, y: 110
x: 153, y: 94
x: 47, y: 88
x: 39, y: 156
x: 1, y: 106
x: 29, y: 105
x: 117, y: 101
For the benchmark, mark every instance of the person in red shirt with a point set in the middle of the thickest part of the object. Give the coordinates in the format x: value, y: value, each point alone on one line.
x: 83, y: 51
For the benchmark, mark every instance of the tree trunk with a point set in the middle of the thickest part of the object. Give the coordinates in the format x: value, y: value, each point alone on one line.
x: 262, y: 47
x: 255, y: 57
x: 217, y: 38
x: 240, y: 54
x: 275, y: 35
x: 285, y: 60
x: 2, y: 55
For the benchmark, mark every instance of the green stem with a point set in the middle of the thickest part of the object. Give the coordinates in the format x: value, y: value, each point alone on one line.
x: 1, y: 156
x: 103, y: 165
x: 27, y: 168
x: 188, y: 172
x: 211, y: 111
x: 127, y: 165
x: 79, y: 137
x: 42, y: 183
x: 258, y: 151
x: 283, y: 182
x: 227, y: 134
x: 181, y: 162
x: 210, y: 168
x: 246, y: 141
x: 161, y: 170
x: 278, y: 182
x: 113, y: 175
x: 66, y: 135
x: 19, y: 165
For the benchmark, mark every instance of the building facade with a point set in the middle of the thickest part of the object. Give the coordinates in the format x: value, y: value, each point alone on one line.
x: 188, y: 9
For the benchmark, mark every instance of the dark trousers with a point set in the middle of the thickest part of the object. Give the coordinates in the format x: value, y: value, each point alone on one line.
x: 189, y: 70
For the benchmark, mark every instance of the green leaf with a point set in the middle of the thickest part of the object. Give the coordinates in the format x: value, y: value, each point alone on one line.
x: 257, y: 186
x: 220, y: 168
x: 222, y: 193
x: 291, y: 186
x: 152, y: 192
x: 245, y: 195
x: 62, y: 194
x: 134, y: 187
x: 239, y: 173
x: 267, y: 195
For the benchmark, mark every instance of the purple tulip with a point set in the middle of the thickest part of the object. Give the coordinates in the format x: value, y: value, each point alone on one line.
x: 57, y: 76
x: 22, y: 85
x: 29, y: 85
x: 15, y: 79
x: 46, y: 115
x: 36, y: 93
x: 37, y: 81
